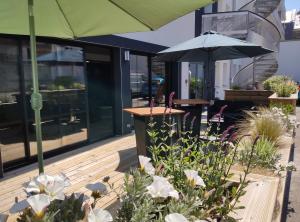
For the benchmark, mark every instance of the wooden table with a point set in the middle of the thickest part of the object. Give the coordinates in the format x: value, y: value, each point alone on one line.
x: 141, y: 121
x: 194, y: 107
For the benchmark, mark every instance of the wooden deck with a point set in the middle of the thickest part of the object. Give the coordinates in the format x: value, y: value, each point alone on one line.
x: 89, y: 164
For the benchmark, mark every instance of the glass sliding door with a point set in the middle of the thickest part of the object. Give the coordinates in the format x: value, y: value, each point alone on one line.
x: 62, y: 85
x: 11, y: 114
x: 100, y: 93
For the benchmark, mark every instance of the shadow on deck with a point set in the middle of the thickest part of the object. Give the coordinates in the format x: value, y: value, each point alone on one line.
x: 89, y: 164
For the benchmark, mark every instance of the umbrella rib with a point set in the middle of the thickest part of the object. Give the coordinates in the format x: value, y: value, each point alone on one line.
x: 64, y: 15
x: 133, y: 16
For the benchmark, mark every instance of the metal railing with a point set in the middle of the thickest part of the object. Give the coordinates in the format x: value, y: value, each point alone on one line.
x: 250, y: 23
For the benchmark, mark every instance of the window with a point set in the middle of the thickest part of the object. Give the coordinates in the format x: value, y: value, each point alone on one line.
x: 62, y: 85
x: 11, y: 121
x: 139, y: 80
x: 158, y: 83
x: 196, y: 80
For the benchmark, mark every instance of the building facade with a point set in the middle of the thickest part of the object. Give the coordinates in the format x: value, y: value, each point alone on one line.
x: 257, y: 21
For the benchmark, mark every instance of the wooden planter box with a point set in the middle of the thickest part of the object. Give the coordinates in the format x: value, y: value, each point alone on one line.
x: 258, y: 97
x: 292, y: 100
x: 264, y: 198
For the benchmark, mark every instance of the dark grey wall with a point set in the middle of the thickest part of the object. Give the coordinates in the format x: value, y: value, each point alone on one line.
x: 122, y: 92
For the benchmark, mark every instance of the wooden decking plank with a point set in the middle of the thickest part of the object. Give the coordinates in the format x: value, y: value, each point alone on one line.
x: 85, y: 165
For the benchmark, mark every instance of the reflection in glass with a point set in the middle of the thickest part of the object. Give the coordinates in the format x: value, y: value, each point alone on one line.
x: 62, y: 85
x: 139, y: 78
x: 158, y: 82
x: 196, y: 80
x: 11, y: 122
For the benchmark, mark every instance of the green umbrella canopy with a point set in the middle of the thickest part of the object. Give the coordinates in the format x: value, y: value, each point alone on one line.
x: 214, y: 45
x: 82, y: 18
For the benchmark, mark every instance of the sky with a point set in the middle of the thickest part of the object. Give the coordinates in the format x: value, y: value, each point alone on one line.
x: 292, y: 4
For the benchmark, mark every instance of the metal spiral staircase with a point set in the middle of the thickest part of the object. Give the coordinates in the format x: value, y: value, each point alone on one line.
x: 265, y: 66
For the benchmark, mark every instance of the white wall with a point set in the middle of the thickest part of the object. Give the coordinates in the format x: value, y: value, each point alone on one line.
x: 289, y: 59
x: 171, y: 34
x: 185, y: 75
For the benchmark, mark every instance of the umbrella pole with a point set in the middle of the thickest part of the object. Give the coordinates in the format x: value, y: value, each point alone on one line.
x: 36, y: 97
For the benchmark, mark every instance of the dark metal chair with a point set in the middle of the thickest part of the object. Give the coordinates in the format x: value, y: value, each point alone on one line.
x: 232, y: 114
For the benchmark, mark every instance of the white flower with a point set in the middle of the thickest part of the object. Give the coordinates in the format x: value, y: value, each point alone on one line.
x: 99, y: 215
x: 146, y: 165
x: 291, y: 164
x: 55, y: 189
x: 175, y: 217
x: 38, y: 203
x: 160, y: 187
x: 193, y: 178
x: 97, y: 187
x: 39, y: 184
x: 63, y: 177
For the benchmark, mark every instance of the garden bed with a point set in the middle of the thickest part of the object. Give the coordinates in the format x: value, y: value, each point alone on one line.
x: 264, y: 198
x: 289, y: 102
x: 258, y: 97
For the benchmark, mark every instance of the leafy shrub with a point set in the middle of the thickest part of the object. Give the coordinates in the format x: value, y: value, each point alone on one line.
x: 287, y: 109
x: 273, y: 81
x: 265, y: 153
x: 187, y: 178
x: 285, y: 89
x: 236, y: 87
x: 282, y: 85
x: 47, y: 202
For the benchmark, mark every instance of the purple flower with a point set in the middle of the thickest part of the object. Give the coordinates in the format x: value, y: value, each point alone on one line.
x: 193, y: 121
x: 233, y: 137
x: 184, y: 118
x: 171, y: 99
x: 226, y: 133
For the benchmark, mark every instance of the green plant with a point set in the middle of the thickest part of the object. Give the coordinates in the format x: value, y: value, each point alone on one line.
x: 196, y: 86
x: 282, y: 85
x: 235, y: 87
x: 190, y: 177
x: 263, y: 123
x: 273, y: 81
x: 265, y: 153
x: 47, y: 202
x: 285, y: 89
x: 287, y: 109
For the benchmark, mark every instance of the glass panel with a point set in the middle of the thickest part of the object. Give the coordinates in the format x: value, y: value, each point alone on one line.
x: 62, y: 85
x: 11, y: 122
x: 196, y: 80
x: 101, y: 99
x: 139, y: 78
x: 158, y: 81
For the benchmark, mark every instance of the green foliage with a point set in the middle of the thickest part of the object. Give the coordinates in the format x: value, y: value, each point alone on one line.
x: 235, y: 87
x: 196, y: 86
x: 286, y: 89
x: 282, y: 85
x: 287, y: 109
x: 265, y: 153
x: 273, y: 81
x: 68, y: 210
x: 172, y: 154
